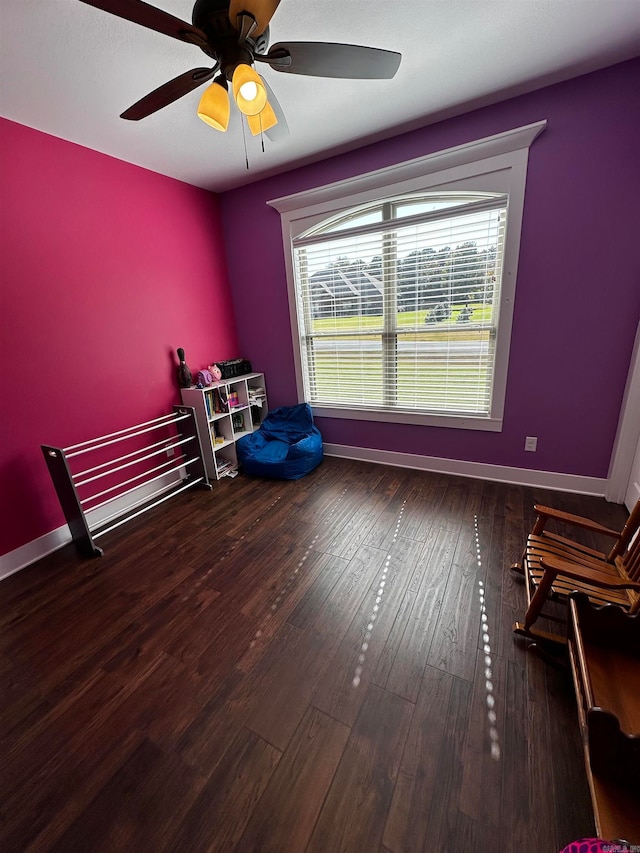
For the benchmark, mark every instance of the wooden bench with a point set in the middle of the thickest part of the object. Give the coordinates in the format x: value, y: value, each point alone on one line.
x: 604, y: 650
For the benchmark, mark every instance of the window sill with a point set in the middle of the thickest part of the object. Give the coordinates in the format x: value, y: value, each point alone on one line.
x: 399, y: 417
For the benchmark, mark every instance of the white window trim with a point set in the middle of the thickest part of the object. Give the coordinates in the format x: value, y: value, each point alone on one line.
x: 503, y: 152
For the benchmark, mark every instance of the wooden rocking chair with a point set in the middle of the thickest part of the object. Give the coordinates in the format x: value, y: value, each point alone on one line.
x: 554, y: 566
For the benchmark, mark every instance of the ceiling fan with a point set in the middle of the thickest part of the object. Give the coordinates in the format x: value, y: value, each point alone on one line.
x: 235, y: 34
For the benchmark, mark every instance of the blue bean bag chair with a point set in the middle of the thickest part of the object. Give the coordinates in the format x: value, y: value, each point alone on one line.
x: 286, y: 447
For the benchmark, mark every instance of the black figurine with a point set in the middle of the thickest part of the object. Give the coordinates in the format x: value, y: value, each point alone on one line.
x: 184, y: 374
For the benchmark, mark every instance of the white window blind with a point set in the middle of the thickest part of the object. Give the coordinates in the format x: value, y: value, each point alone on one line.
x: 398, y: 304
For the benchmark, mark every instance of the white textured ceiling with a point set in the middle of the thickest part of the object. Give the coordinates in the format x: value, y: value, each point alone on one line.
x: 69, y: 69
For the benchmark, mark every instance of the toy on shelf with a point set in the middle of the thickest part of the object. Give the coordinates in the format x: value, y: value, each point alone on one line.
x: 184, y: 374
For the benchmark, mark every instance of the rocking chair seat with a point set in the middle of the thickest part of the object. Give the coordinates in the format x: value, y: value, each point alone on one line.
x: 550, y: 547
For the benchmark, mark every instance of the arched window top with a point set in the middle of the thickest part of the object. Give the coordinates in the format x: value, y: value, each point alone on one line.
x: 415, y: 205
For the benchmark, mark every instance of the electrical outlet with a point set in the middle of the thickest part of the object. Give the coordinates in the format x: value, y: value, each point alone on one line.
x: 531, y: 443
x: 170, y: 452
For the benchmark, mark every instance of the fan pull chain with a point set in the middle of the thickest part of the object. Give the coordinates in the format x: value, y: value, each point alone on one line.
x: 244, y: 140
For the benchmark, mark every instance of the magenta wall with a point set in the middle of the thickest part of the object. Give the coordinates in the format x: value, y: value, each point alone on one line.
x: 578, y: 296
x: 106, y: 269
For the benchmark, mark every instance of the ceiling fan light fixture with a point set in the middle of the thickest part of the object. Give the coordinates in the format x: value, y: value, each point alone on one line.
x: 249, y: 91
x: 214, y: 107
x: 265, y: 120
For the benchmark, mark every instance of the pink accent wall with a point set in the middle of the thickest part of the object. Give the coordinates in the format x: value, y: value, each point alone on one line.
x: 578, y: 294
x: 106, y: 269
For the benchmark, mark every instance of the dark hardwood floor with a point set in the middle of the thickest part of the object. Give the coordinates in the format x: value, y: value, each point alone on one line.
x: 321, y: 665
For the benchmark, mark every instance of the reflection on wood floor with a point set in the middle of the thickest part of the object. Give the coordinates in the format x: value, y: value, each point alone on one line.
x: 321, y: 665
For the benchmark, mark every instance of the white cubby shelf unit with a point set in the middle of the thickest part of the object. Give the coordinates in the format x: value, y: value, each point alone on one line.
x: 225, y: 411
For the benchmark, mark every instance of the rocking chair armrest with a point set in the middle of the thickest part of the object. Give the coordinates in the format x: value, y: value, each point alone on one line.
x: 545, y: 512
x: 577, y: 572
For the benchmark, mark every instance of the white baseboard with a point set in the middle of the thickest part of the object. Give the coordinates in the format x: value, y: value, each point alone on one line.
x: 23, y: 556
x: 477, y: 470
x: 633, y: 495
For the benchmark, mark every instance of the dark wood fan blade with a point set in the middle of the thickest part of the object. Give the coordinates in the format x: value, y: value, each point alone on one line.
x: 154, y: 19
x: 280, y: 130
x: 261, y: 10
x: 168, y: 93
x: 327, y: 59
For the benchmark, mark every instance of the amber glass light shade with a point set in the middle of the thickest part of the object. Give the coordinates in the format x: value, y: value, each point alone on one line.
x: 249, y: 91
x: 214, y: 106
x: 263, y: 121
